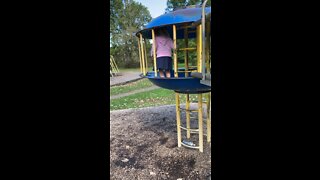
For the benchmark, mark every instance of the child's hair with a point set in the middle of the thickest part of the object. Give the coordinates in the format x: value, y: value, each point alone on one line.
x: 162, y: 32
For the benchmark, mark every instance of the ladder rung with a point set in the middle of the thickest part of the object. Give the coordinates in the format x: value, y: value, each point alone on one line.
x: 187, y: 49
x: 205, y: 119
x: 192, y: 130
x: 194, y: 147
x: 188, y: 110
x: 186, y: 71
x: 196, y: 102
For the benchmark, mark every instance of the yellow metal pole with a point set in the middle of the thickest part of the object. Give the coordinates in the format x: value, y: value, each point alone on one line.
x: 199, y: 48
x: 209, y: 117
x: 111, y: 70
x: 200, y: 122
x: 154, y: 54
x: 175, y: 51
x: 186, y: 51
x: 203, y: 23
x: 143, y: 66
x: 115, y: 64
x: 178, y: 118
x: 146, y: 55
x: 188, y: 115
x: 208, y: 48
x: 112, y: 66
x: 140, y: 55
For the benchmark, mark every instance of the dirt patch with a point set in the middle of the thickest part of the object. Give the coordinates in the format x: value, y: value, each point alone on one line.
x: 143, y: 145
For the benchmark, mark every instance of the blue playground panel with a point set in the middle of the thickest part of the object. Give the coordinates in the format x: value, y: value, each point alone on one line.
x: 179, y: 18
x: 180, y: 84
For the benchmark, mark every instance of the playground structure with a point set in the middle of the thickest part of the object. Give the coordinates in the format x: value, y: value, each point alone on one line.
x: 184, y: 24
x: 114, y: 70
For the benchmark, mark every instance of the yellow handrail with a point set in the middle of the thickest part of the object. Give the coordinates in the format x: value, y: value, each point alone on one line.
x: 175, y: 51
x: 187, y: 49
x: 186, y: 58
x: 143, y: 66
x: 140, y: 55
x: 199, y: 49
x: 154, y: 54
x: 145, y: 52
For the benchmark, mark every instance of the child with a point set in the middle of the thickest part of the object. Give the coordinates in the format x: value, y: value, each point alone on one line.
x: 164, y: 45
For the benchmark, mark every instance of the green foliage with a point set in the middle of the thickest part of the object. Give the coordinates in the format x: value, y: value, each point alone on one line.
x: 172, y: 4
x: 126, y: 18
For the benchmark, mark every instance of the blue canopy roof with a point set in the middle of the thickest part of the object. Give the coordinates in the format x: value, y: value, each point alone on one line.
x: 177, y: 17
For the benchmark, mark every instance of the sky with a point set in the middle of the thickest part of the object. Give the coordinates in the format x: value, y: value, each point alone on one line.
x: 155, y: 7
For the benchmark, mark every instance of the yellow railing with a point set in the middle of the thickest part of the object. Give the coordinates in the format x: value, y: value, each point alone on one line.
x: 175, y: 56
x: 114, y: 67
x: 199, y: 48
x: 141, y: 49
x: 154, y: 54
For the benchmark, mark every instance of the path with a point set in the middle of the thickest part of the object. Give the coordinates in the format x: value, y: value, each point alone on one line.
x: 125, y: 77
x: 134, y: 92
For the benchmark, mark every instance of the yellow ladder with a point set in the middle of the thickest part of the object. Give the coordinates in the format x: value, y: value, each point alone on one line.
x: 200, y: 112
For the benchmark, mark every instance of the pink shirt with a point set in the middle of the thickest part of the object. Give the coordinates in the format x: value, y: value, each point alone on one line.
x: 163, y: 46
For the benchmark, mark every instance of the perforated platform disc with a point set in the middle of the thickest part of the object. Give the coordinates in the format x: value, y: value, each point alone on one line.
x: 180, y: 84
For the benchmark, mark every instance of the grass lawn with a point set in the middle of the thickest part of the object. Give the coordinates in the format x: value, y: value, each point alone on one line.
x: 157, y: 97
x: 140, y: 84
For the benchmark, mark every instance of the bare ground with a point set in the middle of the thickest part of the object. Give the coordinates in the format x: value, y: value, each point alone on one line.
x: 143, y: 145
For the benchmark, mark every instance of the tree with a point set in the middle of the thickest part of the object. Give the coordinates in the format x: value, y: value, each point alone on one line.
x: 172, y: 4
x: 126, y: 18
